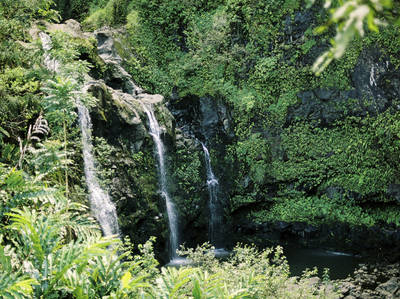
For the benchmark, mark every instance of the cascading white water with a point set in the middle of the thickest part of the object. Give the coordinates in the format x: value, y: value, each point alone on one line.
x: 50, y: 63
x: 213, y: 189
x: 155, y: 133
x: 372, y: 81
x: 100, y: 203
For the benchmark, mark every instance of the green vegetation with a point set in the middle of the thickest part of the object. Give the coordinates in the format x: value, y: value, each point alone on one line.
x: 257, y: 57
x: 351, y: 18
x: 284, y: 162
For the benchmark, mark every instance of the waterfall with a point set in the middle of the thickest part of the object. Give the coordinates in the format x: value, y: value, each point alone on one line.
x: 100, y: 203
x: 372, y: 81
x: 50, y: 63
x: 155, y: 133
x: 216, y: 218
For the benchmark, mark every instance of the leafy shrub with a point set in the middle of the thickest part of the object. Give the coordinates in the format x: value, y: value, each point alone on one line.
x: 114, y: 13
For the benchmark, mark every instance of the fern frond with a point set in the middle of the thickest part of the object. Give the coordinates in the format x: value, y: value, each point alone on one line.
x: 41, y: 126
x: 15, y: 286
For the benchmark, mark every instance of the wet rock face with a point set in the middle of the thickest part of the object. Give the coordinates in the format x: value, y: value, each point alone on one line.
x: 203, y: 118
x: 117, y: 117
x: 367, y: 77
x: 210, y: 121
x: 207, y: 120
x: 375, y: 85
x: 215, y: 118
x: 115, y: 75
x: 187, y: 114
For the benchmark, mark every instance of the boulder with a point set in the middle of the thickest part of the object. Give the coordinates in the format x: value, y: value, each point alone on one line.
x: 115, y: 75
x: 390, y: 289
x: 71, y: 27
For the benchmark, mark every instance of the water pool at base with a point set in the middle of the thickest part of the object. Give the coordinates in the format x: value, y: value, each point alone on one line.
x: 340, y: 264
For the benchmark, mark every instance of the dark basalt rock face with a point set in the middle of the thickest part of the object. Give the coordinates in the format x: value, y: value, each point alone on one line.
x: 203, y: 118
x: 121, y: 122
x: 206, y: 120
x: 186, y: 112
x: 375, y: 85
x: 215, y: 119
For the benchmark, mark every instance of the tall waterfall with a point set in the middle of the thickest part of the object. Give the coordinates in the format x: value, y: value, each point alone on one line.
x: 155, y: 133
x: 100, y: 203
x: 216, y: 218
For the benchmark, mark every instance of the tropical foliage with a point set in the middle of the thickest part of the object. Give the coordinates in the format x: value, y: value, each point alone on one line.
x: 245, y: 53
x: 351, y: 17
x: 257, y: 57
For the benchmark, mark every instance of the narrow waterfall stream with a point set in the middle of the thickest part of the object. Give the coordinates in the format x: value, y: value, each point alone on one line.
x: 102, y: 207
x: 100, y: 202
x: 155, y: 133
x: 50, y: 63
x: 213, y: 190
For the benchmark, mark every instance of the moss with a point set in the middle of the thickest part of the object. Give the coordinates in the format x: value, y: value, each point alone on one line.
x: 87, y: 48
x: 132, y: 182
x: 122, y: 47
x: 166, y: 119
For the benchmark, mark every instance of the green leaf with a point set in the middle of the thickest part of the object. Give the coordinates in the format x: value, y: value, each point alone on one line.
x: 371, y: 21
x: 4, y: 132
x: 126, y: 279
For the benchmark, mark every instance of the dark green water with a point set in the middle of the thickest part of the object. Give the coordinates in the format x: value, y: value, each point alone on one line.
x: 340, y: 264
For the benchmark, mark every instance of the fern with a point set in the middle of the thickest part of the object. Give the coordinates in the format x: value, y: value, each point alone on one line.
x: 15, y: 286
x: 41, y: 127
x: 48, y: 258
x: 172, y: 281
x: 48, y: 158
x: 12, y: 283
x: 34, y: 132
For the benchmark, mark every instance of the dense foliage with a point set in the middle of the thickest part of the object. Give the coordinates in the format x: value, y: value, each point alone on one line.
x: 285, y: 160
x: 257, y: 58
x: 50, y: 246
